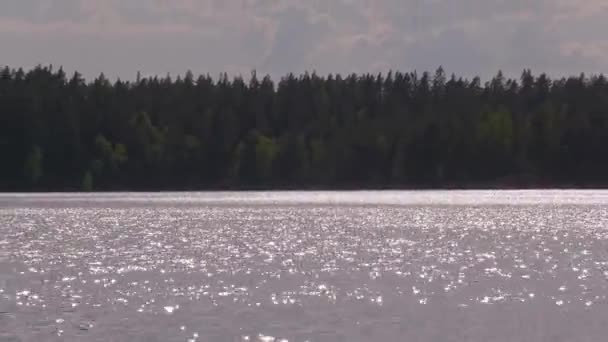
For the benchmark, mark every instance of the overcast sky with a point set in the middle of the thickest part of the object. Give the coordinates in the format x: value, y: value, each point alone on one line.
x: 120, y: 37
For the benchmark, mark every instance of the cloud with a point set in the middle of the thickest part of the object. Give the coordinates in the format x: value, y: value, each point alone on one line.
x: 330, y: 36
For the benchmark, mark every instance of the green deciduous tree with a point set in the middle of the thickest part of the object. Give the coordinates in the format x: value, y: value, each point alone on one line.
x: 33, y: 167
x: 358, y: 130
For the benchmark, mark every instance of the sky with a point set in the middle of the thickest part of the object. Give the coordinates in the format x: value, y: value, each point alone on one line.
x: 156, y: 37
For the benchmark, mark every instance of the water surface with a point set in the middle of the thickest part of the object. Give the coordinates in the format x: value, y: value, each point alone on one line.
x: 305, y: 266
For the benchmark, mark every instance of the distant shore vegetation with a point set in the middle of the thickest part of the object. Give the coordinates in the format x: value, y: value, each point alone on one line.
x: 397, y: 130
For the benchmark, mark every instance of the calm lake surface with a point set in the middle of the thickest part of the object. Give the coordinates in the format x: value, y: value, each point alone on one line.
x: 305, y: 266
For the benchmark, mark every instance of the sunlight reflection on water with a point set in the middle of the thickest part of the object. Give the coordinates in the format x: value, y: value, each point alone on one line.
x: 304, y: 266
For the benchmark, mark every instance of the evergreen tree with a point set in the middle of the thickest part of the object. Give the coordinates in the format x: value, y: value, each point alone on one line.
x: 397, y: 130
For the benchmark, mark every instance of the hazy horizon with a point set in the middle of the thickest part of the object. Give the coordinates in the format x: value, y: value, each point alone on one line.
x: 467, y: 37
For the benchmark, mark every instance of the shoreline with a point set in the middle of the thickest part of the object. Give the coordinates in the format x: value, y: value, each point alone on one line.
x: 531, y: 187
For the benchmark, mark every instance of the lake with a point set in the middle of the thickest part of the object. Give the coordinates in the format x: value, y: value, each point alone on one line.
x: 305, y: 266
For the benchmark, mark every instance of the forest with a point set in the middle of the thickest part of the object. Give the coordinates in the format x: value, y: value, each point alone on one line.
x: 401, y: 130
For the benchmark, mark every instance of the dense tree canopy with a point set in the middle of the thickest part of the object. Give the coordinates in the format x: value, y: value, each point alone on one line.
x: 400, y: 130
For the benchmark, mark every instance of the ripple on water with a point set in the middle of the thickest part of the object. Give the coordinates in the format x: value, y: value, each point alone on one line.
x: 300, y: 270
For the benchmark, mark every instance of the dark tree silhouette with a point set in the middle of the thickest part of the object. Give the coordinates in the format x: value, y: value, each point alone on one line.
x: 399, y: 130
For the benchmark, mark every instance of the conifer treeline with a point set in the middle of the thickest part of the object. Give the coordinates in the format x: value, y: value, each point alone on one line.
x: 400, y: 130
